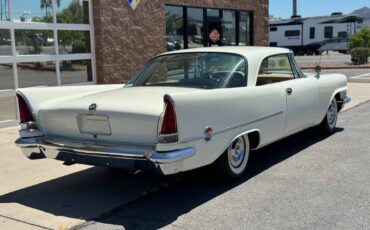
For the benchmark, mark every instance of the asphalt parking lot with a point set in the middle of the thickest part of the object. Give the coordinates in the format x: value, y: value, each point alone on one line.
x: 305, y: 181
x: 334, y: 60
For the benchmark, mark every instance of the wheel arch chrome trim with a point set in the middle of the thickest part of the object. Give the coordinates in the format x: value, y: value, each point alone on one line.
x: 245, y: 133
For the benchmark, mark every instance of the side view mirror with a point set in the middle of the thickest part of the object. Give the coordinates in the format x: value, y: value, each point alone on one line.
x: 318, y: 70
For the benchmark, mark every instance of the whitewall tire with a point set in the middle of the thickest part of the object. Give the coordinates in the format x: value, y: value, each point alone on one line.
x: 330, y: 120
x: 233, y: 162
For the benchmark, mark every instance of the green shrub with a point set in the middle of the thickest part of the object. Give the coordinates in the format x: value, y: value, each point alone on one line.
x: 360, y: 55
x: 360, y: 39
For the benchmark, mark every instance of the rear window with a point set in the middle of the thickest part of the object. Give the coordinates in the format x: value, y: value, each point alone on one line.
x: 194, y: 70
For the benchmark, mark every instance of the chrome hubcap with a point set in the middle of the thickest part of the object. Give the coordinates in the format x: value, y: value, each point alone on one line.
x: 237, y: 153
x: 332, y: 115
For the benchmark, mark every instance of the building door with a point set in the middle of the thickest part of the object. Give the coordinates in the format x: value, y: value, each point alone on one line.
x: 214, y: 28
x: 214, y: 36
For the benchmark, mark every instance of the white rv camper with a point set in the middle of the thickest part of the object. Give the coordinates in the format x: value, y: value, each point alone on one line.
x: 313, y: 35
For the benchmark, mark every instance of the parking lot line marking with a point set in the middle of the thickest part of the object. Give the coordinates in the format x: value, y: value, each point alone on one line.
x: 360, y: 76
x: 24, y: 222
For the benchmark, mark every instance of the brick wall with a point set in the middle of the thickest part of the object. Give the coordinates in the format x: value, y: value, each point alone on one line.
x: 126, y: 39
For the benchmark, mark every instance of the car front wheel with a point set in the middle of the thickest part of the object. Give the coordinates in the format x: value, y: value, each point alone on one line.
x: 330, y: 121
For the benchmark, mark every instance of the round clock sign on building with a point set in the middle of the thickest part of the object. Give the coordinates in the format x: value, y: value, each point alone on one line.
x: 214, y: 35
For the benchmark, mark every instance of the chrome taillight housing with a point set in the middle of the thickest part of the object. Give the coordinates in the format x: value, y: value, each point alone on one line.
x: 169, y: 132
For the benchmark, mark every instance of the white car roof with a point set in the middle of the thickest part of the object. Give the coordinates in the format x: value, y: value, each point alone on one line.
x: 254, y: 55
x: 250, y: 52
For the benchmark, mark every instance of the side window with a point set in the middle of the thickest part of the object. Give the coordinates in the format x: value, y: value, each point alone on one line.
x: 328, y: 32
x: 275, y: 69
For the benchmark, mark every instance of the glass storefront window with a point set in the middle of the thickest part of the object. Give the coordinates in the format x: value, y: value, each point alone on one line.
x: 8, y: 109
x: 174, y: 28
x: 6, y: 76
x: 33, y: 11
x: 71, y: 41
x: 31, y: 74
x: 4, y: 10
x: 34, y: 28
x: 229, y: 28
x: 218, y: 27
x: 34, y: 42
x: 244, y: 28
x: 77, y: 71
x: 73, y: 11
x: 195, y: 27
x: 5, y: 43
x: 213, y: 13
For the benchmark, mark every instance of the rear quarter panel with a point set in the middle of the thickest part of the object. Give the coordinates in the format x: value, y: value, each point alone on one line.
x: 230, y: 112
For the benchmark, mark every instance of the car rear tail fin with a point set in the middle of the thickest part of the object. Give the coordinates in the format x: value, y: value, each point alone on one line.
x: 25, y: 112
x: 169, y: 132
x: 29, y: 127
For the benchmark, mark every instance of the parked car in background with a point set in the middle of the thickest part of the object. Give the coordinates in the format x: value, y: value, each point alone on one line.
x: 172, y: 44
x: 5, y: 41
x: 184, y: 110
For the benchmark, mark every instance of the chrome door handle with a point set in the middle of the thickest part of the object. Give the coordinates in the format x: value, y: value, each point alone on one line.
x: 289, y: 91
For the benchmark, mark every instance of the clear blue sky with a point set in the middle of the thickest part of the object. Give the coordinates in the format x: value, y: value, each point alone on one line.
x: 306, y: 8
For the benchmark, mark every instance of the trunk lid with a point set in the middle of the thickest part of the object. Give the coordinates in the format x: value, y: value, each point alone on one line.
x: 130, y: 114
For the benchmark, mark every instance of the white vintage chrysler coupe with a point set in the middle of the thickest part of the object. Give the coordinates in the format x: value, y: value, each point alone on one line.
x: 183, y: 110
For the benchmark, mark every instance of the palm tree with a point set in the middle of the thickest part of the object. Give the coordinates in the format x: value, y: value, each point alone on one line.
x: 48, y: 5
x: 75, y: 8
x: 4, y: 13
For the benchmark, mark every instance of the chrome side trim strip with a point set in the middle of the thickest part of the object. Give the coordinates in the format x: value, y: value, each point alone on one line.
x: 249, y: 122
x: 191, y: 139
x: 233, y: 127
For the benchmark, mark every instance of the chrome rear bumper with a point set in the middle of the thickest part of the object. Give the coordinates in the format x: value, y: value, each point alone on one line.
x: 104, y: 155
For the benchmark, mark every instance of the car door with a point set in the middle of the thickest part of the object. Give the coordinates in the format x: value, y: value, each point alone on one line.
x: 302, y: 98
x: 301, y: 93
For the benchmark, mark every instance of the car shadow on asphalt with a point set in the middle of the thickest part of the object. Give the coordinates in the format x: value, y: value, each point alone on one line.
x: 97, y: 193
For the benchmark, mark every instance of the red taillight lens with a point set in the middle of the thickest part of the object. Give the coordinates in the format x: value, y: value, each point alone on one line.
x: 169, y: 124
x: 25, y: 113
x: 168, y: 132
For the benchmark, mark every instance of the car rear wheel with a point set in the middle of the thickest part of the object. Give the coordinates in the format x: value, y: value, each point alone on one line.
x: 330, y: 121
x: 233, y: 162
